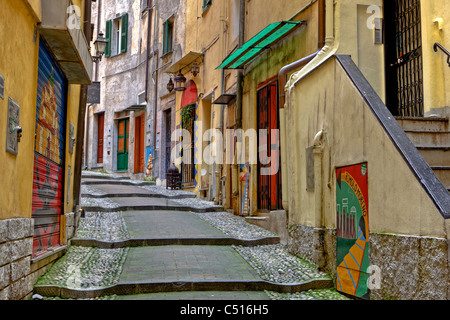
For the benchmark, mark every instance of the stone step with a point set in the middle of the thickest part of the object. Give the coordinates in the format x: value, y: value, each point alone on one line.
x: 443, y: 174
x: 103, y: 177
x: 423, y: 123
x: 429, y: 138
x: 435, y: 156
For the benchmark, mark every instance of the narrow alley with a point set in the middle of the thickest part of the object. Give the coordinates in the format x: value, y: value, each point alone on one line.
x: 138, y: 241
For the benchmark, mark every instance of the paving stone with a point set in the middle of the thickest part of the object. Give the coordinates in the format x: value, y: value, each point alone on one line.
x: 87, y: 268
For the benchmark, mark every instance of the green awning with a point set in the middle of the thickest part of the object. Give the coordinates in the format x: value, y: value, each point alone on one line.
x: 263, y: 40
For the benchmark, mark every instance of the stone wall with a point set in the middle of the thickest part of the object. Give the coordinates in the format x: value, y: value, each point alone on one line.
x: 16, y: 245
x: 18, y: 271
x: 412, y: 268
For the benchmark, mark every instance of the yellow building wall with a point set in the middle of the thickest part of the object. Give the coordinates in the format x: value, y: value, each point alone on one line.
x: 73, y: 105
x: 269, y: 64
x: 435, y: 28
x: 18, y: 65
x: 354, y: 136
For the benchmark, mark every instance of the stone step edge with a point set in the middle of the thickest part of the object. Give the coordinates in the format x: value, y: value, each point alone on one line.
x: 138, y: 195
x: 182, y: 286
x: 105, y: 177
x: 153, y: 208
x: 223, y: 241
x: 118, y: 182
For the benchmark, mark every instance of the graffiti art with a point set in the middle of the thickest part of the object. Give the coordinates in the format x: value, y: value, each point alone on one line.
x: 352, y: 218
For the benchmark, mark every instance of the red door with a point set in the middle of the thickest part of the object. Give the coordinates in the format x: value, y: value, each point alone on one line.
x: 139, y: 159
x: 101, y: 132
x: 269, y: 186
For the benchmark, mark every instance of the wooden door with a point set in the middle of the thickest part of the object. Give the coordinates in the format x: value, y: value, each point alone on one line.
x: 139, y: 144
x: 101, y: 134
x: 269, y: 186
x: 122, y: 146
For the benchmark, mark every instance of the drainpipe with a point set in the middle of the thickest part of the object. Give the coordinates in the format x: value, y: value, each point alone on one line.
x: 239, y: 96
x: 81, y: 118
x: 282, y: 80
x: 97, y: 66
x: 147, y: 63
x: 155, y: 107
x: 219, y: 167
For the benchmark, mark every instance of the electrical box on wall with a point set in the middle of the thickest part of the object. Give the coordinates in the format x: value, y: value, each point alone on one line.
x: 71, y: 137
x: 13, y: 130
x: 378, y: 37
x: 2, y: 88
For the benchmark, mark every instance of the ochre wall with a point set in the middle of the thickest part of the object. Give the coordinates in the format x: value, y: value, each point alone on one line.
x: 18, y: 65
x: 397, y: 202
x: 435, y: 28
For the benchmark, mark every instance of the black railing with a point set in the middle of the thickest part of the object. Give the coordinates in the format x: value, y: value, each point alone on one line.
x: 439, y: 46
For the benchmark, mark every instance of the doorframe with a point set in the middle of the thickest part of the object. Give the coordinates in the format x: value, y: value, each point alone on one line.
x: 139, y: 143
x: 118, y: 120
x: 263, y: 86
x: 391, y: 76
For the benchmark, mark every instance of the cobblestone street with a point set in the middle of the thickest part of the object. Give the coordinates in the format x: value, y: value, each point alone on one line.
x: 142, y: 242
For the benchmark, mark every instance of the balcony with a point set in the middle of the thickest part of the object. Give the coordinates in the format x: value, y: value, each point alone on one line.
x: 61, y: 29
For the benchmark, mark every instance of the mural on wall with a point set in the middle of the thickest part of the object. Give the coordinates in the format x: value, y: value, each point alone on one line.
x: 352, y: 230
x: 50, y: 122
x: 244, y: 178
x: 48, y: 182
x: 148, y: 168
x: 47, y: 204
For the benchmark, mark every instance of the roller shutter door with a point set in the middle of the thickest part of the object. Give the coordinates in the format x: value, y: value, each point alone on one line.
x: 48, y: 182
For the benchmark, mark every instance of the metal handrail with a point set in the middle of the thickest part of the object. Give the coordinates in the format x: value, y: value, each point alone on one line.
x: 439, y: 46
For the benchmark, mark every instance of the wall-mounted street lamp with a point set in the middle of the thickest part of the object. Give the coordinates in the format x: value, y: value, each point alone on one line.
x: 180, y: 82
x: 195, y: 70
x: 100, y: 47
x: 170, y: 85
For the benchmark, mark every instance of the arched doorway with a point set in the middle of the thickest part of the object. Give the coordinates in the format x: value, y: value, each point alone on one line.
x: 188, y: 118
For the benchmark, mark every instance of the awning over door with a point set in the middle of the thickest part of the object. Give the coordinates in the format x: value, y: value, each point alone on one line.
x: 263, y: 40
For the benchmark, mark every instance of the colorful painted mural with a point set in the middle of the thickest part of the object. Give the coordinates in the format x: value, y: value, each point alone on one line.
x: 48, y: 183
x: 149, y: 167
x: 352, y: 219
x: 244, y: 177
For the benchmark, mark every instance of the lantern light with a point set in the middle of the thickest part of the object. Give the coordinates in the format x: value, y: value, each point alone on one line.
x: 180, y: 82
x: 195, y: 70
x: 170, y: 85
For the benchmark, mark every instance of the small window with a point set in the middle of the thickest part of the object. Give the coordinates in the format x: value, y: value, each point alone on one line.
x: 117, y: 36
x: 206, y: 4
x: 168, y: 36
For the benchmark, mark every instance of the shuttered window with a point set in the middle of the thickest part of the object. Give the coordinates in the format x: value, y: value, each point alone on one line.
x: 117, y: 36
x: 168, y: 36
x: 108, y: 38
x: 124, y: 34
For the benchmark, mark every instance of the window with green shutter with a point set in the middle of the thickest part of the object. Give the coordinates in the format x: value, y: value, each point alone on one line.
x: 168, y: 36
x: 108, y: 38
x: 124, y: 34
x: 117, y: 36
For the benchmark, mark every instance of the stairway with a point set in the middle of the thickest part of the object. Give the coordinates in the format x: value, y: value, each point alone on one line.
x: 431, y: 136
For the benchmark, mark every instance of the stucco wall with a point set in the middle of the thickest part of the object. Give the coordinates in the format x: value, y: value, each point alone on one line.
x: 401, y: 214
x: 435, y: 28
x: 18, y: 66
x: 354, y: 136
